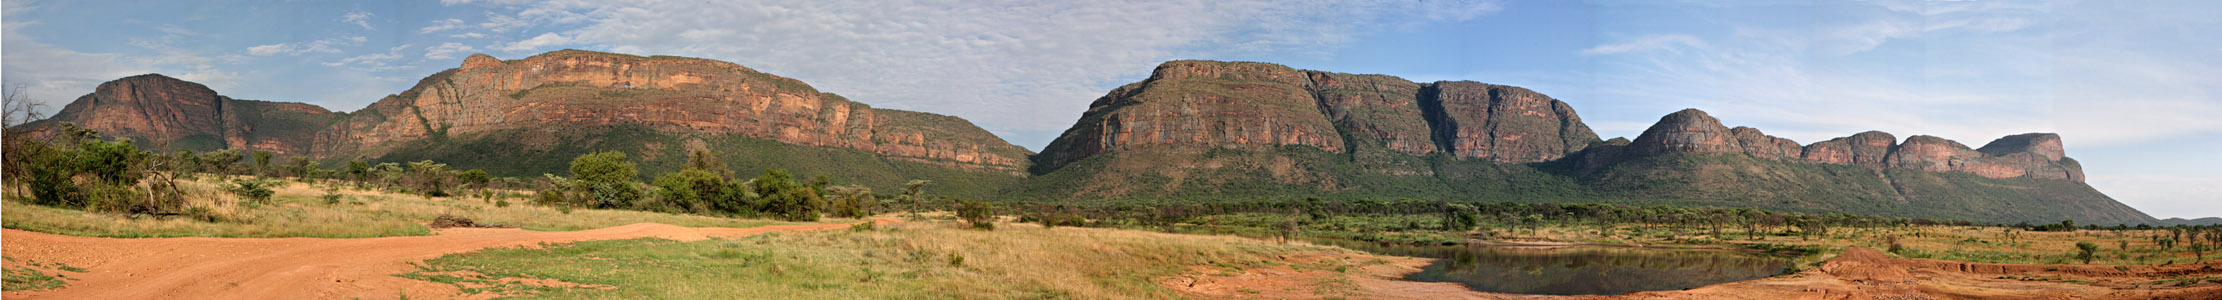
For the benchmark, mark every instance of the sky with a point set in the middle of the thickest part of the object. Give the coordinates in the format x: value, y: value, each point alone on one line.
x: 2133, y: 87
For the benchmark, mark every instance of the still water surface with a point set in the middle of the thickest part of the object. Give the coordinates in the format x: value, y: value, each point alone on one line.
x: 1583, y: 270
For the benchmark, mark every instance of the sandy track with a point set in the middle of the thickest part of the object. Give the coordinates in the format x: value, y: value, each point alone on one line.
x: 293, y: 268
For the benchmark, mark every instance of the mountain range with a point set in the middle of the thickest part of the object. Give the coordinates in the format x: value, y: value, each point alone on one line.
x: 1192, y: 131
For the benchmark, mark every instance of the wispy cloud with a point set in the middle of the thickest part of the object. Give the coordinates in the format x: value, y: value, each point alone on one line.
x: 330, y: 45
x: 359, y: 18
x: 442, y: 25
x: 541, y: 42
x: 373, y: 62
x: 1647, y: 43
x: 446, y: 50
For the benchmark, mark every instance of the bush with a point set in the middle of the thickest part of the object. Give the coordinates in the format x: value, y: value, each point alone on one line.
x: 256, y: 191
x: 331, y: 195
x: 2086, y: 251
x: 786, y: 198
x: 607, y: 178
x: 852, y: 201
x: 980, y: 214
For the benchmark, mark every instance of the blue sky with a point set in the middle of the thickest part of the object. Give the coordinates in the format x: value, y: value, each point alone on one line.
x: 2133, y: 86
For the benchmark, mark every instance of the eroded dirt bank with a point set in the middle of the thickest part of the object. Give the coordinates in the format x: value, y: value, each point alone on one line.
x: 1859, y: 273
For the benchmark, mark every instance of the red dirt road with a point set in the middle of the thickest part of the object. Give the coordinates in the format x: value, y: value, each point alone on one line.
x: 292, y: 268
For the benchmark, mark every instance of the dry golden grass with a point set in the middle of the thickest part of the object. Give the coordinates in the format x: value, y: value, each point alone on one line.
x: 299, y: 210
x: 914, y: 260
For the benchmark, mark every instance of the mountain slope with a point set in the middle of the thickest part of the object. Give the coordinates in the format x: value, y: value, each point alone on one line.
x: 1220, y: 131
x: 531, y: 116
x: 1237, y: 130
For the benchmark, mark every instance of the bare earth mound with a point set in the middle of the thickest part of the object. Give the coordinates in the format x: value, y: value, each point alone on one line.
x: 1860, y: 273
x: 293, y: 268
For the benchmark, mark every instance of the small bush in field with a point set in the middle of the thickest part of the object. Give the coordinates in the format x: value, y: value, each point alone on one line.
x: 980, y: 214
x: 331, y: 195
x: 256, y: 191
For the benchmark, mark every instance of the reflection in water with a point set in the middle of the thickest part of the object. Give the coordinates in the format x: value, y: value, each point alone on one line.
x: 1582, y: 270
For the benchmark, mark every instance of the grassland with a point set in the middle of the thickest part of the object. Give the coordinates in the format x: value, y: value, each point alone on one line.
x: 915, y: 260
x: 300, y: 210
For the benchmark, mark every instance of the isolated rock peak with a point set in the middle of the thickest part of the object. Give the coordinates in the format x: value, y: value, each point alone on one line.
x: 1688, y: 130
x: 480, y: 60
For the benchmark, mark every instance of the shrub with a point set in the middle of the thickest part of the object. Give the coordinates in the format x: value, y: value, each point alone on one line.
x: 607, y: 178
x: 980, y: 214
x: 786, y: 198
x: 2086, y: 251
x: 254, y: 190
x: 695, y: 190
x: 852, y: 201
x: 331, y: 195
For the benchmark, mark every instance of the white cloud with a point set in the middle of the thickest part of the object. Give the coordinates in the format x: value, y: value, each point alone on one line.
x: 1027, y: 67
x: 55, y: 75
x: 440, y: 25
x: 373, y: 62
x: 446, y: 50
x: 329, y: 45
x: 468, y: 35
x: 359, y: 18
x: 1647, y: 43
x: 537, y: 42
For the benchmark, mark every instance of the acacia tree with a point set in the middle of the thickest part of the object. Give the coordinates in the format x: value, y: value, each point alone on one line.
x: 300, y: 167
x: 429, y: 178
x: 358, y: 170
x: 980, y: 214
x: 913, y: 194
x: 221, y: 161
x: 852, y: 201
x: 475, y: 179
x: 262, y: 163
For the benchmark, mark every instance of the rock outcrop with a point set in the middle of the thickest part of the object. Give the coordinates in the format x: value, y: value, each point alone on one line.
x: 585, y: 88
x: 1192, y: 105
x: 1689, y: 130
x: 2034, y: 155
x: 159, y: 110
x: 551, y: 91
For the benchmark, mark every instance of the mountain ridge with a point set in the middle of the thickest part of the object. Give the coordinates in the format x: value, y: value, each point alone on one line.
x: 1220, y: 131
x: 1193, y: 131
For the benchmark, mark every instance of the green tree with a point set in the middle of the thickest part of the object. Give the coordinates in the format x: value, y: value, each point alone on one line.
x: 786, y: 198
x: 694, y: 190
x: 429, y: 178
x: 358, y: 170
x: 221, y: 161
x: 262, y: 162
x: 2088, y: 251
x: 980, y: 214
x: 299, y: 166
x: 852, y: 201
x: 607, y: 177
x: 703, y: 159
x: 476, y: 179
x: 914, y: 193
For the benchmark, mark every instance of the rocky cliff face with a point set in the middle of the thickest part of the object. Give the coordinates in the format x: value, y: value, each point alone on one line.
x: 2034, y: 155
x: 548, y: 92
x: 584, y: 88
x: 159, y: 110
x: 1192, y: 106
